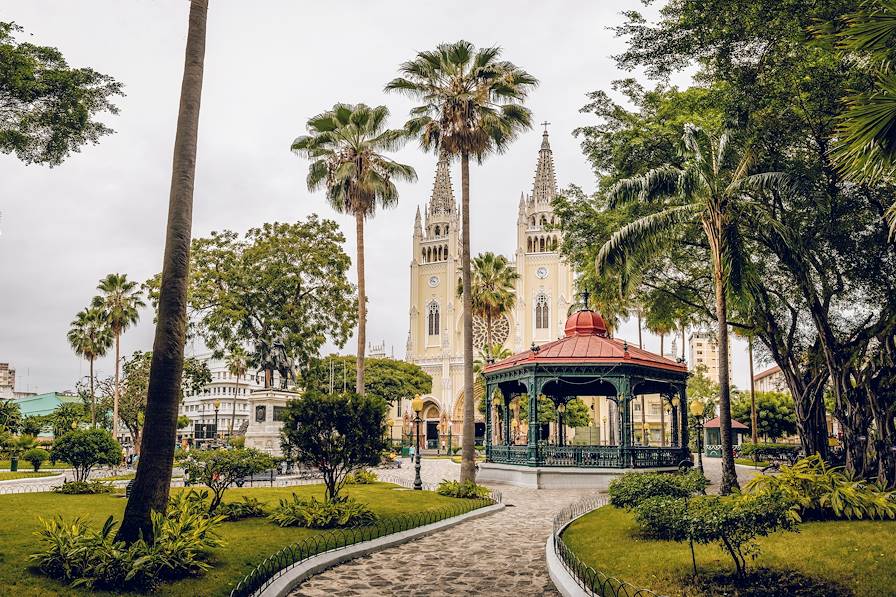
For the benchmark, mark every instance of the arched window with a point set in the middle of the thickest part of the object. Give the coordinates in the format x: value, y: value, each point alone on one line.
x: 438, y: 231
x: 446, y: 229
x: 542, y: 312
x: 544, y: 221
x: 529, y: 245
x: 432, y: 319
x: 445, y: 248
x: 541, y: 244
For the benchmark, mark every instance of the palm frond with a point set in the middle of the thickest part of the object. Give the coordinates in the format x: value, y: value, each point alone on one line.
x: 640, y: 236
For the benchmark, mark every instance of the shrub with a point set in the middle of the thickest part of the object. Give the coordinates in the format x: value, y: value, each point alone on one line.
x: 316, y: 514
x: 84, y: 487
x: 466, y: 489
x: 248, y: 508
x: 631, y: 489
x: 219, y: 469
x: 663, y: 517
x: 77, y: 554
x: 821, y: 491
x: 362, y: 477
x: 36, y: 456
x: 85, y: 448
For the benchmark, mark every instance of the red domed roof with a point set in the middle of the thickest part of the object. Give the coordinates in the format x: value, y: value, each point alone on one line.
x: 585, y: 323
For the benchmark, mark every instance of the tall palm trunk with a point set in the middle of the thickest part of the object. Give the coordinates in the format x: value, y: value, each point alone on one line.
x: 662, y: 406
x: 467, y: 463
x: 92, y: 397
x: 643, y: 399
x: 233, y: 411
x: 754, y: 419
x: 362, y: 305
x: 116, y: 393
x: 729, y: 473
x: 153, y: 480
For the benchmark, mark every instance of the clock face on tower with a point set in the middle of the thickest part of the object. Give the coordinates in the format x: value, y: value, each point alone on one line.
x: 433, y: 281
x: 541, y: 273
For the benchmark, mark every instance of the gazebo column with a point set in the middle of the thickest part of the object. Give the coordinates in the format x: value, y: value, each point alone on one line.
x: 488, y: 421
x: 683, y: 416
x: 625, y: 423
x: 675, y: 424
x: 534, y: 431
x: 506, y: 419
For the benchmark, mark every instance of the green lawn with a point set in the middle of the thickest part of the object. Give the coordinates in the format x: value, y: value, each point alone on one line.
x: 24, y: 474
x: 24, y: 464
x: 858, y: 555
x: 749, y: 462
x: 248, y: 541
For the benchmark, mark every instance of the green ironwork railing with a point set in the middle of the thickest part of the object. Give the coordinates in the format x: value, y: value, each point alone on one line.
x: 588, y: 456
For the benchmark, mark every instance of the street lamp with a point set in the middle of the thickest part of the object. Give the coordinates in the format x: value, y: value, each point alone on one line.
x: 697, y: 409
x: 217, y: 405
x: 675, y: 422
x: 417, y: 405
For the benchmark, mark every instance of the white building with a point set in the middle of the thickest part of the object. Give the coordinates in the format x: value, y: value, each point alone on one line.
x: 704, y: 350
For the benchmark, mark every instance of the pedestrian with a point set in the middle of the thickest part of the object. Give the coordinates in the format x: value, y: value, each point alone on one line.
x: 411, y: 452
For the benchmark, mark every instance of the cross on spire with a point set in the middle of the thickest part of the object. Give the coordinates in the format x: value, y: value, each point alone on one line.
x: 545, y: 124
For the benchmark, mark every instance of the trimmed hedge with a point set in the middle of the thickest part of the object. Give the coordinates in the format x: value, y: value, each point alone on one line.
x: 629, y: 490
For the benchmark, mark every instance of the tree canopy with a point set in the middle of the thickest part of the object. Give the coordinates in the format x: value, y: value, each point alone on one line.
x: 49, y: 109
x: 386, y: 379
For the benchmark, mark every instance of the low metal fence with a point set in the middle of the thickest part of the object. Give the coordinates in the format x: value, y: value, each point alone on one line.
x: 276, y: 565
x: 593, y: 582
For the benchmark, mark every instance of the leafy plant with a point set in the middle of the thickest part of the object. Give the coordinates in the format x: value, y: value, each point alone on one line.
x: 462, y: 489
x: 316, y: 514
x: 219, y: 469
x: 249, y: 507
x: 85, y: 448
x: 36, y: 456
x: 823, y: 491
x: 663, y: 517
x: 631, y: 489
x: 362, y: 477
x: 84, y: 487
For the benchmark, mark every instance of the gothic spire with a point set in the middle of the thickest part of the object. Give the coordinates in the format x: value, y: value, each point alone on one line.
x: 545, y: 187
x: 442, y: 200
x: 418, y: 227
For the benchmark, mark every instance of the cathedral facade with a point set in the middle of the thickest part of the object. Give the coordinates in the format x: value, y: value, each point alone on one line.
x: 544, y: 294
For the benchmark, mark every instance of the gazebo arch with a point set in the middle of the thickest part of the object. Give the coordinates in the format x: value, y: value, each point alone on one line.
x: 586, y: 362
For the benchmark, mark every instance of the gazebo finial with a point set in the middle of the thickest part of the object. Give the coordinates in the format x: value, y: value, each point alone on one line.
x: 585, y: 296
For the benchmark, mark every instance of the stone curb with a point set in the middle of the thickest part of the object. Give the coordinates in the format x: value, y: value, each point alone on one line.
x: 33, y: 480
x: 289, y: 580
x: 566, y: 584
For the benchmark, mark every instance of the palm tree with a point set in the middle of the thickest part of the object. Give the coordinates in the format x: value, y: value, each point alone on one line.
x: 494, y: 292
x: 345, y: 146
x: 471, y: 105
x: 237, y: 364
x: 711, y: 191
x: 120, y: 301
x: 152, y: 483
x: 90, y: 337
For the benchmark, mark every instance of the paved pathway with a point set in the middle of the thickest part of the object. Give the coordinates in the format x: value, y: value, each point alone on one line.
x: 500, y: 554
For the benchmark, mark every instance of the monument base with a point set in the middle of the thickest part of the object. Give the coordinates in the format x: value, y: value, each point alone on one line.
x: 553, y: 477
x: 267, y: 408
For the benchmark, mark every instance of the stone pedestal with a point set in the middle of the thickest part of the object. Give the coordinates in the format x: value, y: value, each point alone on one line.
x: 266, y: 410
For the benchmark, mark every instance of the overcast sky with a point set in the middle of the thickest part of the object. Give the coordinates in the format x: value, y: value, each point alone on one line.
x: 269, y: 66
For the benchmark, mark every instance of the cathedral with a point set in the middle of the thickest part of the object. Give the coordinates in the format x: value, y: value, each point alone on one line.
x: 544, y: 294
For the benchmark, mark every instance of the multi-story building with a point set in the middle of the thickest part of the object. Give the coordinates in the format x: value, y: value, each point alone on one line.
x: 770, y: 380
x: 7, y: 381
x: 544, y: 292
x: 704, y: 350
x: 226, y: 393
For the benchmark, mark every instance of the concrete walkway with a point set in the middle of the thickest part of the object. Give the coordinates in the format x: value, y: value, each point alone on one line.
x: 501, y: 554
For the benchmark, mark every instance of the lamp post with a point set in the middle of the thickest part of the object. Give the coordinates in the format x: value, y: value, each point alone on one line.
x: 390, y: 423
x: 417, y: 405
x: 676, y: 423
x: 697, y: 409
x: 217, y: 405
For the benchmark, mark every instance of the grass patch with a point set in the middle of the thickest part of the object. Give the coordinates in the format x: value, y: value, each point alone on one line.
x: 24, y: 464
x: 855, y: 555
x: 249, y: 541
x: 749, y: 462
x: 29, y: 474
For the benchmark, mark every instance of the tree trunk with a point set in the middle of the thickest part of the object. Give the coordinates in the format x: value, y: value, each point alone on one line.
x: 233, y: 412
x: 362, y: 305
x: 683, y: 341
x: 117, y: 386
x: 754, y: 420
x: 729, y: 473
x: 153, y: 479
x: 467, y: 464
x: 92, y: 397
x: 662, y: 405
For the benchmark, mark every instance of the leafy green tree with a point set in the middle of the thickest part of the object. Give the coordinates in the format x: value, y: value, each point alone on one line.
x: 345, y: 145
x: 67, y: 416
x: 708, y: 192
x: 49, y: 108
x: 386, y: 379
x: 336, y: 434
x: 494, y: 291
x: 153, y: 481
x: 183, y: 421
x: 33, y: 425
x: 701, y: 388
x: 90, y: 337
x: 36, y: 456
x: 84, y: 449
x: 237, y: 365
x: 10, y: 416
x: 281, y: 285
x: 774, y: 413
x: 577, y: 414
x: 471, y: 104
x: 120, y: 302
x: 219, y: 469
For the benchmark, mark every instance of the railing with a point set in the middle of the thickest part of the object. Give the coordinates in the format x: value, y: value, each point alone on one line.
x: 593, y: 582
x: 589, y: 456
x: 293, y: 555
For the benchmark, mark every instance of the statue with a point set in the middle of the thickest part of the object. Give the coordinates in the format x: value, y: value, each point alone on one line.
x: 273, y: 356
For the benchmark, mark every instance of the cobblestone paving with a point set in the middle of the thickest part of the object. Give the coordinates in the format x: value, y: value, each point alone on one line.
x: 499, y: 554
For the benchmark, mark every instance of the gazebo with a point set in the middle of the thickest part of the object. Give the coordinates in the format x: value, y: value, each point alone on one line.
x: 586, y: 362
